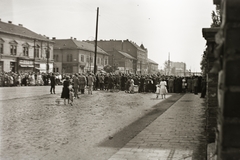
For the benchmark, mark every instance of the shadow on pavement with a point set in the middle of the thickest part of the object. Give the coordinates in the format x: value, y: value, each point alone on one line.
x: 119, y: 139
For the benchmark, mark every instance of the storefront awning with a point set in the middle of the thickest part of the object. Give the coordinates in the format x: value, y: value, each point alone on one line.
x: 26, y: 65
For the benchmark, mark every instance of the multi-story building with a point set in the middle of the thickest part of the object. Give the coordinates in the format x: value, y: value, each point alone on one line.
x: 74, y: 56
x: 122, y: 60
x: 140, y: 54
x: 152, y: 67
x: 22, y: 50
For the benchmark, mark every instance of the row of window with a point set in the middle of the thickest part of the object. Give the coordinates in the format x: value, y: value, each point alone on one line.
x: 13, y: 50
x: 88, y: 59
x: 99, y: 60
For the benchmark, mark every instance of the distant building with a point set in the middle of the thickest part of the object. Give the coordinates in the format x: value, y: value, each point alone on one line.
x: 123, y: 61
x: 152, y: 67
x: 178, y: 68
x: 139, y: 53
x: 22, y: 50
x: 74, y: 56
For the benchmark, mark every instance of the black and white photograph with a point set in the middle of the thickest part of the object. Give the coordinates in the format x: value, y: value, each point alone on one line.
x: 119, y: 79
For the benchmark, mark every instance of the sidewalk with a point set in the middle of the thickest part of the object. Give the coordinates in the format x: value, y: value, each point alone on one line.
x: 178, y: 134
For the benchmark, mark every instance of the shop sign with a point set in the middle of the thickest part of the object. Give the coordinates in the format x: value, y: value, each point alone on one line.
x: 25, y: 62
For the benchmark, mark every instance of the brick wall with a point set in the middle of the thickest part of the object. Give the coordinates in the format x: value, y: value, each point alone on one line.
x: 212, y: 83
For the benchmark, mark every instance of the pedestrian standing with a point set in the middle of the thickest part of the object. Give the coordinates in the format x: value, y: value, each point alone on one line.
x: 101, y: 81
x: 71, y: 93
x: 171, y: 85
x: 163, y: 88
x: 110, y: 83
x: 131, y: 88
x: 65, y: 90
x: 195, y: 83
x: 82, y: 81
x: 53, y: 83
x: 75, y: 85
x: 157, y: 90
x: 90, y: 82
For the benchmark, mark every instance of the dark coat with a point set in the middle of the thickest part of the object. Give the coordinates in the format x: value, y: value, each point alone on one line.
x: 65, y: 90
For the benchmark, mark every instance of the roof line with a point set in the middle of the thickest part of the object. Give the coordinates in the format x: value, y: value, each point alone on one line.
x: 47, y: 40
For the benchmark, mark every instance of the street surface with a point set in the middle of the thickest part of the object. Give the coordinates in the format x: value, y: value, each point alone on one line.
x: 33, y: 126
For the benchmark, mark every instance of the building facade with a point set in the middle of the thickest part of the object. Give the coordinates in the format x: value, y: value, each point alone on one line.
x: 152, y: 67
x: 22, y: 50
x: 139, y: 53
x: 123, y: 61
x: 175, y: 68
x: 74, y: 56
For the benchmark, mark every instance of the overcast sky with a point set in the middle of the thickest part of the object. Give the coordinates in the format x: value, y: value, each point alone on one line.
x: 162, y: 26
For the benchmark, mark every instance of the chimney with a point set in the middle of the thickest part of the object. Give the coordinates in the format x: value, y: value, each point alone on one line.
x: 53, y: 38
x: 10, y: 22
x: 20, y: 25
x: 71, y: 37
x: 75, y: 38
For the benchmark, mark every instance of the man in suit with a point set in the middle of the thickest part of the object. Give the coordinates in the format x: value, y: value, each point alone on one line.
x: 53, y: 83
x: 75, y: 85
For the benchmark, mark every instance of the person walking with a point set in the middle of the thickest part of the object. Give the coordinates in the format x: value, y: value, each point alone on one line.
x: 163, y: 88
x: 65, y: 90
x: 53, y: 83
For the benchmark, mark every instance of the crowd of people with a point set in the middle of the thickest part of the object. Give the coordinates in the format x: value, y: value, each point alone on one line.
x: 10, y: 79
x: 130, y: 83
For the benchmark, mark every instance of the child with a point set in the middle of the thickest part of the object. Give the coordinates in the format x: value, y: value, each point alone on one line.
x: 131, y: 88
x: 71, y: 94
x: 157, y: 90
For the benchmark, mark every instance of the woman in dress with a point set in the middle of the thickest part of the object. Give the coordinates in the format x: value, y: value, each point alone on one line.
x: 65, y: 90
x: 163, y: 88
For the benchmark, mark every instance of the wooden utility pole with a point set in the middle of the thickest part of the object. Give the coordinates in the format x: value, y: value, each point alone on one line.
x: 48, y: 54
x: 34, y: 55
x: 95, y: 56
x: 168, y: 64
